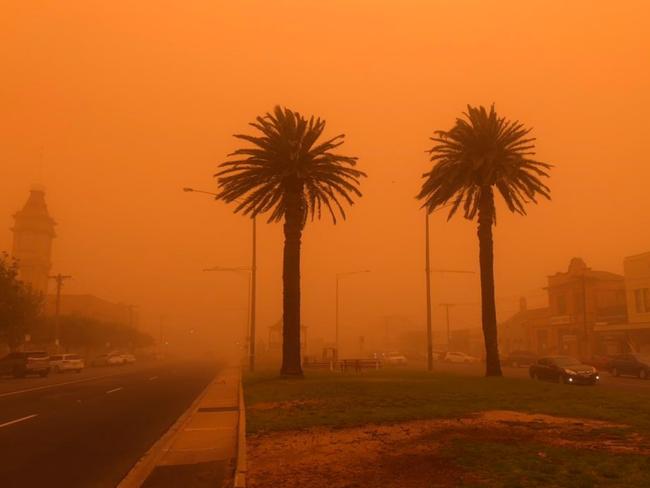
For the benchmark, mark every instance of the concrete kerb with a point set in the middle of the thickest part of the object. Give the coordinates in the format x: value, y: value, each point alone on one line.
x: 207, y: 430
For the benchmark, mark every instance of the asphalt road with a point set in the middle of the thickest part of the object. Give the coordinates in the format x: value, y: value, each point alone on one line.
x: 88, y: 430
x: 606, y: 379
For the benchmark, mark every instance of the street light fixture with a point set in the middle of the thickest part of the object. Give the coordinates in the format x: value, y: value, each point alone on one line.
x: 253, y: 282
x: 338, y: 277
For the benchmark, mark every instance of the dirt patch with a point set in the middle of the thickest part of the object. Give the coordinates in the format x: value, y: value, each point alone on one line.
x: 413, y: 454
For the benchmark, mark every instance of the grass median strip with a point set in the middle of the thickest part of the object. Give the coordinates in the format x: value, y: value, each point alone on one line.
x: 474, y: 431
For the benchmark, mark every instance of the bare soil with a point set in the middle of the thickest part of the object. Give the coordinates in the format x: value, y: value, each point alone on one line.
x: 414, y: 454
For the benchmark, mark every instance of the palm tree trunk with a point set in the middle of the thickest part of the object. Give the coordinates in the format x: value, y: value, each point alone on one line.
x: 488, y: 305
x: 293, y: 223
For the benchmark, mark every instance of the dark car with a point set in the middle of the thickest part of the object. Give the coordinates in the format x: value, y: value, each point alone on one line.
x: 631, y: 364
x: 21, y: 364
x: 564, y: 369
x: 519, y: 359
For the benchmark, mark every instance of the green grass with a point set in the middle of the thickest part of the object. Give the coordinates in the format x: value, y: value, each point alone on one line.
x: 529, y: 465
x: 396, y: 395
x: 345, y: 400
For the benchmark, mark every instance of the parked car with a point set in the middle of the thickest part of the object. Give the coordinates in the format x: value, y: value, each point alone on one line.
x: 108, y: 359
x: 564, y: 369
x: 460, y: 357
x: 66, y: 362
x: 21, y: 364
x: 518, y: 359
x: 394, y: 358
x: 631, y: 364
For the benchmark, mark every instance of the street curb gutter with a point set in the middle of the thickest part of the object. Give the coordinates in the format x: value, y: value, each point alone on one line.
x: 143, y: 468
x: 241, y: 468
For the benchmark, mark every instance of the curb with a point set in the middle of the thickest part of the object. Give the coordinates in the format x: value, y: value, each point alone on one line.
x: 146, y: 464
x: 241, y: 468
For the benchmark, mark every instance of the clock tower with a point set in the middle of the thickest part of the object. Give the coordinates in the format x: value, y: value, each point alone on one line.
x: 33, y: 235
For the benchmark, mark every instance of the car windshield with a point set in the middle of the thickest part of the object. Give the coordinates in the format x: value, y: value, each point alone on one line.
x: 566, y: 361
x: 643, y: 358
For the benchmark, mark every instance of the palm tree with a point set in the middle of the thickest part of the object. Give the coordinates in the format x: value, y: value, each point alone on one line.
x: 483, y: 151
x: 292, y: 176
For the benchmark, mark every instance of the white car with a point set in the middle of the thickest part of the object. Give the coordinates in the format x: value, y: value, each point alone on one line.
x: 128, y: 357
x: 109, y: 359
x: 395, y: 358
x: 67, y: 362
x: 460, y: 357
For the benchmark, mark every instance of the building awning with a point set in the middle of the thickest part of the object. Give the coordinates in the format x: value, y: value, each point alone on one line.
x: 622, y: 327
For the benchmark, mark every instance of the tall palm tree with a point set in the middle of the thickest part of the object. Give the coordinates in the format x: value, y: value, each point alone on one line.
x: 481, y: 152
x: 288, y: 173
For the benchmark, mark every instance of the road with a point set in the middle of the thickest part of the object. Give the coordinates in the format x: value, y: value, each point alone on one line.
x: 88, y: 430
x: 606, y: 379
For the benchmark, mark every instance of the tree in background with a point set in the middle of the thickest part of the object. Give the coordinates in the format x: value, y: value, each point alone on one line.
x: 289, y: 174
x: 19, y: 304
x: 78, y: 332
x: 481, y: 152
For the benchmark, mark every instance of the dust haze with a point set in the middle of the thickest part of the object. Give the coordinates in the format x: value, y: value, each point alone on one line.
x: 115, y: 107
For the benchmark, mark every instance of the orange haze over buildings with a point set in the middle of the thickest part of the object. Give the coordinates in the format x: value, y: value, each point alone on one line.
x: 115, y: 106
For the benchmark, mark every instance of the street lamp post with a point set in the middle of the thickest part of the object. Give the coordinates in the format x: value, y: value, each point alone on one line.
x: 338, y: 277
x: 253, y: 285
x: 249, y: 316
x: 427, y: 277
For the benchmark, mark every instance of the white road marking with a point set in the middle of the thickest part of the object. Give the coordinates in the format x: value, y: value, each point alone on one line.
x: 114, y: 390
x: 22, y: 419
x: 55, y: 385
x: 153, y: 378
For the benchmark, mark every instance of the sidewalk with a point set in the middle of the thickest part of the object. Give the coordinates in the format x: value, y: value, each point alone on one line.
x: 201, y: 448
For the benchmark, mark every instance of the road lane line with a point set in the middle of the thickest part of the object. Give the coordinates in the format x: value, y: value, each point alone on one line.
x: 63, y: 383
x: 114, y: 390
x: 153, y: 378
x: 22, y: 419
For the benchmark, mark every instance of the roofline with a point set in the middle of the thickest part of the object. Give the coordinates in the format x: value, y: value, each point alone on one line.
x: 636, y: 256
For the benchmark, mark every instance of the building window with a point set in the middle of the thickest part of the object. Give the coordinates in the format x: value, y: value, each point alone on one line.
x: 642, y: 300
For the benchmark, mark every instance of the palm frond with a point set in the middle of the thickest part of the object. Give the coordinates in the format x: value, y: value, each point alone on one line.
x: 481, y: 151
x: 285, y: 155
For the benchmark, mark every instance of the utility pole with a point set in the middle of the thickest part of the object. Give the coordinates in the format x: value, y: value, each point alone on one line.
x: 60, y: 280
x: 160, y: 338
x: 338, y: 277
x: 427, y: 271
x: 447, y: 307
x: 584, y: 316
x: 253, y: 292
x: 131, y: 320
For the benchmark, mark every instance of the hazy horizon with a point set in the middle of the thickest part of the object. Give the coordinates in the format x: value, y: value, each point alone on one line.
x: 116, y: 125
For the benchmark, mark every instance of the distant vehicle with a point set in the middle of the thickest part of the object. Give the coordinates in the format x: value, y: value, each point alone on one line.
x: 518, y: 359
x: 631, y: 364
x: 128, y: 357
x: 459, y: 357
x: 20, y: 364
x: 108, y: 359
x: 395, y: 358
x: 564, y: 369
x: 66, y: 362
x: 438, y: 355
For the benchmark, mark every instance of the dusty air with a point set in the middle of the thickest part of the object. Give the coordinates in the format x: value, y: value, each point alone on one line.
x: 324, y: 244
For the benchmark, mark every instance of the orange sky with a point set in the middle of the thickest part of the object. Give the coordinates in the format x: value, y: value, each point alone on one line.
x: 131, y: 101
